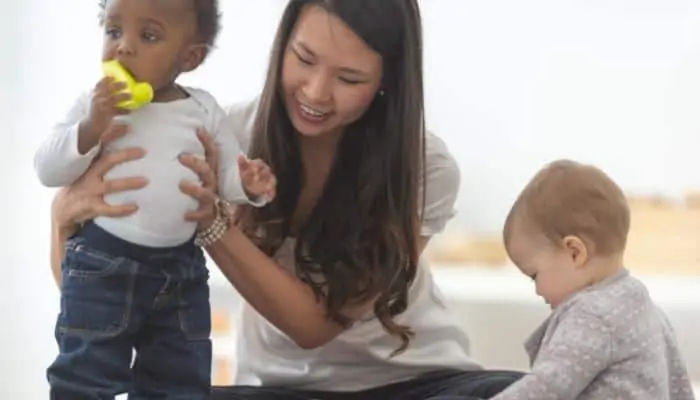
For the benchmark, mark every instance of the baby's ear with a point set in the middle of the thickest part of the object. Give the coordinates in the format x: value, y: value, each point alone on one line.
x: 577, y: 250
x: 194, y: 56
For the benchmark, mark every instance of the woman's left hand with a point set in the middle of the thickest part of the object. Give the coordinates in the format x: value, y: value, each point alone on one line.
x: 84, y: 199
x: 205, y: 193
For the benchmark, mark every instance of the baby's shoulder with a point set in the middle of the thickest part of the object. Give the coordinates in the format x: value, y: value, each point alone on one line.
x: 625, y: 307
x: 205, y: 100
x: 208, y: 109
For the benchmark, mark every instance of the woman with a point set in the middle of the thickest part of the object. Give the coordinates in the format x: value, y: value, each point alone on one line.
x: 338, y: 301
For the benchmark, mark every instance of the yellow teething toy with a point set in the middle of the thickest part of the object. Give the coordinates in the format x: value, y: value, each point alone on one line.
x: 141, y: 92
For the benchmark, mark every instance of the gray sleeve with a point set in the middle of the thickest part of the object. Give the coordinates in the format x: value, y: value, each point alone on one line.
x: 578, y: 350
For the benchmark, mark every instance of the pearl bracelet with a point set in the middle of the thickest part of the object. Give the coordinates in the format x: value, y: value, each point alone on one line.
x: 217, y: 230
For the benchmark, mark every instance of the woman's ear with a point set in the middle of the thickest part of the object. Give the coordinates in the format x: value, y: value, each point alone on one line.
x: 576, y: 249
x: 194, y: 56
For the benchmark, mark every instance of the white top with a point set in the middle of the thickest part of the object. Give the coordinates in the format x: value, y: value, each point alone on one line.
x: 608, y: 341
x: 359, y: 357
x: 164, y: 130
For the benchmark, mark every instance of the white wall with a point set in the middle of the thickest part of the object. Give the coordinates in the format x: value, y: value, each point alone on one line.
x: 10, y: 317
x: 510, y: 85
x: 513, y: 84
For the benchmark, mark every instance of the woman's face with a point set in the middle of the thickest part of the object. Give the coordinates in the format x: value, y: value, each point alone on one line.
x: 329, y: 75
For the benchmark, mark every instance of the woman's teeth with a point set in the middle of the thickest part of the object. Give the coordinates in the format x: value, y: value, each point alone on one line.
x: 311, y: 111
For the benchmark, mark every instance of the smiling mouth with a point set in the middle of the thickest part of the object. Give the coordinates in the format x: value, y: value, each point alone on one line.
x: 312, y: 111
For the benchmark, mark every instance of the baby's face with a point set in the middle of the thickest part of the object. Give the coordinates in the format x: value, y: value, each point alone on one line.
x: 551, y: 267
x: 152, y: 39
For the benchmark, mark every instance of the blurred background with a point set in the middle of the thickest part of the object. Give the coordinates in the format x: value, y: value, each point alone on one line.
x: 510, y: 86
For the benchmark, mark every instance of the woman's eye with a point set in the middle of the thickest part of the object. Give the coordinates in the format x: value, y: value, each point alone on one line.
x: 301, y: 59
x: 350, y: 81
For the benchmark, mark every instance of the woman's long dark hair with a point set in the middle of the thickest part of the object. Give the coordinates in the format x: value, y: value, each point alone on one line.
x: 360, y: 242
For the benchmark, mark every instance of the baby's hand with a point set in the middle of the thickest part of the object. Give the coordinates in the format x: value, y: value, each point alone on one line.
x: 103, y: 108
x: 257, y: 178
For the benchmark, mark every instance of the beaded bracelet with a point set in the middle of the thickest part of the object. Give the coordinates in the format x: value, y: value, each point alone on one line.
x: 218, y: 228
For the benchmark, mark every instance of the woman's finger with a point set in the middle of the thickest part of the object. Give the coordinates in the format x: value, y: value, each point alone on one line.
x: 123, y: 184
x: 201, y: 168
x: 110, y: 160
x: 203, y: 195
x: 197, y: 165
x: 67, y: 209
x: 199, y: 215
x: 116, y: 211
x: 206, y: 199
x: 211, y: 151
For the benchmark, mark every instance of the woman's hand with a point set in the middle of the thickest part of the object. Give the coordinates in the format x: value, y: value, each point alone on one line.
x: 83, y: 200
x: 206, y: 192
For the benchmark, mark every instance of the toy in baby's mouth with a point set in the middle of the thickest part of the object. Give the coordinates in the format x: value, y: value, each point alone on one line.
x: 141, y: 92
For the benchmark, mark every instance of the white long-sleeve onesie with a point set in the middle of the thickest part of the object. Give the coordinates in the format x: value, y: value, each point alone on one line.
x: 164, y: 131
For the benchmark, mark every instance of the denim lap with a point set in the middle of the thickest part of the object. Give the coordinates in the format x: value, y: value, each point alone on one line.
x: 438, y: 385
x: 113, y: 305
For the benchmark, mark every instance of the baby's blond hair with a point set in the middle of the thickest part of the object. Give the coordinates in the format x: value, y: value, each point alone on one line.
x: 569, y: 198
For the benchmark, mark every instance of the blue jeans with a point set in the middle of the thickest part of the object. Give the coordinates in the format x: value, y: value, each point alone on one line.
x: 117, y: 297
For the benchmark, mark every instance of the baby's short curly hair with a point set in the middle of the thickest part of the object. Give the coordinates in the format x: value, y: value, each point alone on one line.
x: 208, y: 19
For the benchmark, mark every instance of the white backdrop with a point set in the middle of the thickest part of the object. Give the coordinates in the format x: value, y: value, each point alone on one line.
x: 510, y: 85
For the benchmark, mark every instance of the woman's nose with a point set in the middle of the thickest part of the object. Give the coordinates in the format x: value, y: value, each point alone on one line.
x: 318, y: 88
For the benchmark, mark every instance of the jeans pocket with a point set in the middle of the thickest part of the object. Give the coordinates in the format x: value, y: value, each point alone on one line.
x: 194, y: 310
x: 82, y: 261
x: 96, y: 291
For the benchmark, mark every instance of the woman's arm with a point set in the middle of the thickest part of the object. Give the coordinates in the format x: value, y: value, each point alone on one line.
x: 282, y: 298
x: 278, y: 295
x: 83, y: 200
x: 58, y: 238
